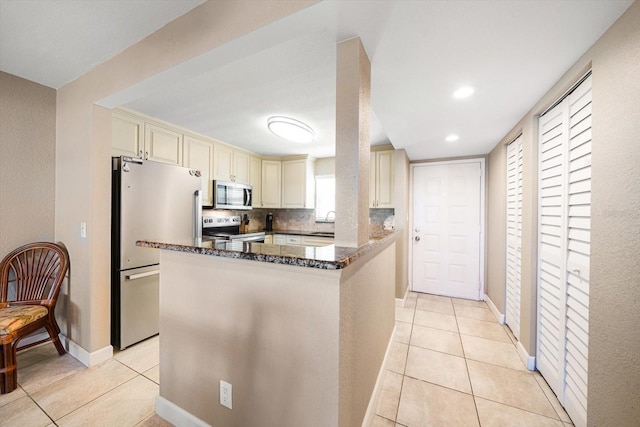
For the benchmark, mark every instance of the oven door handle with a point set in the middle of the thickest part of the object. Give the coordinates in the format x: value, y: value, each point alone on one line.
x: 256, y: 239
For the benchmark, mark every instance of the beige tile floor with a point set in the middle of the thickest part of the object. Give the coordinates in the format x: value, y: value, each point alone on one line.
x: 60, y: 391
x: 453, y: 364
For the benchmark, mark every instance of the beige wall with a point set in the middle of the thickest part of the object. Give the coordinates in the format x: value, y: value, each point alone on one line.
x: 83, y: 144
x: 496, y: 218
x: 325, y: 166
x: 401, y: 214
x: 300, y: 346
x: 614, y: 340
x: 367, y: 319
x: 353, y: 94
x: 27, y: 162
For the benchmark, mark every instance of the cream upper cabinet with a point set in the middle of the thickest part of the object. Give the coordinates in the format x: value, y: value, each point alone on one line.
x: 372, y: 180
x: 255, y: 180
x: 222, y: 162
x: 298, y: 184
x: 162, y: 145
x: 381, y: 179
x: 271, y: 183
x: 241, y: 167
x: 127, y: 135
x: 198, y: 154
x: 231, y: 165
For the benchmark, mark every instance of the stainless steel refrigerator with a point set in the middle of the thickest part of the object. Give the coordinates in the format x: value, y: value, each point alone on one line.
x: 150, y: 201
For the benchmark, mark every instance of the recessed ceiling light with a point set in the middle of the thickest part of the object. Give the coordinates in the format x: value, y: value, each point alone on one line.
x: 290, y: 129
x: 463, y: 92
x: 452, y: 138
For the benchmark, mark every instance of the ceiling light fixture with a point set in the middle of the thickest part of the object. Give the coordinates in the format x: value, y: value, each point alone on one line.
x: 463, y: 92
x: 452, y: 138
x: 290, y: 129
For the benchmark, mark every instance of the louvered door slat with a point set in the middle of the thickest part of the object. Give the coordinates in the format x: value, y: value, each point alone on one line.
x: 514, y: 235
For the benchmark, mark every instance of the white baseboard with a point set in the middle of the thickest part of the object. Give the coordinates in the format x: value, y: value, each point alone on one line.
x: 375, y: 395
x: 86, y: 358
x: 529, y: 361
x: 176, y: 415
x: 494, y: 309
x: 401, y: 301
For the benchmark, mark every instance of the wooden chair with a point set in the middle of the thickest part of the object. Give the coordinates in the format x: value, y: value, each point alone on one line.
x: 30, y: 281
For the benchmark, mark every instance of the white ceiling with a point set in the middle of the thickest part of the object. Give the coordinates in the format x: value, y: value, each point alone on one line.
x: 53, y: 42
x: 512, y: 52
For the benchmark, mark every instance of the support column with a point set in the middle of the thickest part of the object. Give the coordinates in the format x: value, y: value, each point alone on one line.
x: 353, y: 95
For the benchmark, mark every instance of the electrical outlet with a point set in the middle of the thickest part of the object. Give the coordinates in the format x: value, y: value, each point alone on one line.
x: 225, y: 394
x: 83, y: 230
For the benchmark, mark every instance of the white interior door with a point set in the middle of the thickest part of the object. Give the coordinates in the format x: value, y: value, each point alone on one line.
x: 514, y: 235
x: 446, y: 229
x: 564, y: 249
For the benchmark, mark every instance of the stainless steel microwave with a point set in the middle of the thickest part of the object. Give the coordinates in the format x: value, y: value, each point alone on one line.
x: 231, y: 195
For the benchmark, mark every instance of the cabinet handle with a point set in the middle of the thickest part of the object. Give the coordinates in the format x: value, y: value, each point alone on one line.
x: 146, y: 155
x: 140, y: 153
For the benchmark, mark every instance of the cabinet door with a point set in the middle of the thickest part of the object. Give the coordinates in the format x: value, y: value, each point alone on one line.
x: 126, y: 135
x: 222, y: 162
x: 241, y: 167
x: 162, y: 145
x: 199, y: 155
x: 255, y: 179
x: 271, y: 183
x: 293, y: 184
x: 384, y: 179
x: 372, y: 180
x: 292, y: 240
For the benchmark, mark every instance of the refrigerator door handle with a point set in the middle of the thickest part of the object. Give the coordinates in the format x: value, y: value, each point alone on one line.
x: 197, y: 214
x: 142, y: 275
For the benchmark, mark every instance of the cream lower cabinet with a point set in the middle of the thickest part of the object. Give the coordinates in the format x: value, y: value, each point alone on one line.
x: 162, y: 145
x: 300, y: 240
x: 381, y: 179
x: 271, y: 183
x: 298, y: 189
x: 198, y: 154
x: 231, y: 165
x: 279, y: 239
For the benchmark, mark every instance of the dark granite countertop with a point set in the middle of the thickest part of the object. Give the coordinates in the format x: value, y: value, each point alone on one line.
x: 329, y: 257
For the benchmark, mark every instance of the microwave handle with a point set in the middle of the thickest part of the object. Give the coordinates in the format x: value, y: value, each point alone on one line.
x: 247, y: 197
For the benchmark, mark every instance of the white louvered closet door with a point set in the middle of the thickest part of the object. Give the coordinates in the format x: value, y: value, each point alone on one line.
x: 564, y: 213
x: 514, y: 235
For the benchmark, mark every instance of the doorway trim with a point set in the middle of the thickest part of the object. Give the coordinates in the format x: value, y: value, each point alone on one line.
x: 483, y: 243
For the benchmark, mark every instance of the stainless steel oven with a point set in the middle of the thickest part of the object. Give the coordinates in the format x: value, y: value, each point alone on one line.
x: 216, y: 227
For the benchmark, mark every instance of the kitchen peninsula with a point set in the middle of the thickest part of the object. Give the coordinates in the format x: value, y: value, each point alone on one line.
x: 299, y: 332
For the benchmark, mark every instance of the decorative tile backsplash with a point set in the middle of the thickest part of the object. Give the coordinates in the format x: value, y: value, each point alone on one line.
x: 292, y: 220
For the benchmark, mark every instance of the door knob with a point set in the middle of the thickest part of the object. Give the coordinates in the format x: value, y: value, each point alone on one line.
x: 417, y: 238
